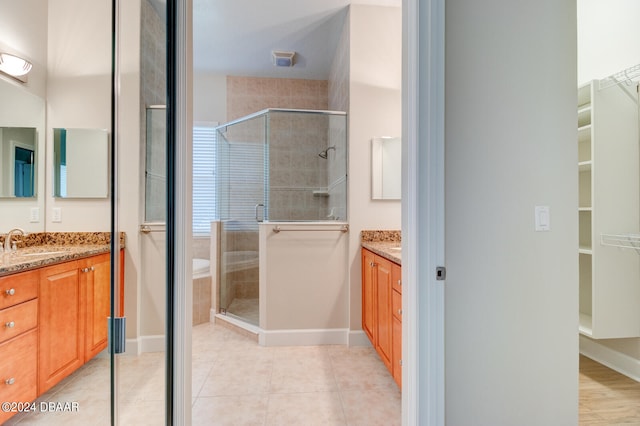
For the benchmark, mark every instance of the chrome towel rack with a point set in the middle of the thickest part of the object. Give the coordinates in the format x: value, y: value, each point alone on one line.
x: 148, y: 227
x: 342, y: 228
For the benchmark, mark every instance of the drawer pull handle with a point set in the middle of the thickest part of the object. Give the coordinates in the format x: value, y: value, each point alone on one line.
x: 10, y: 381
x: 10, y: 324
x: 10, y: 292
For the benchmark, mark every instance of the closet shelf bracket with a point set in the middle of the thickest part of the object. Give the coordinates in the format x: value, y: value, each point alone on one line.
x: 627, y: 241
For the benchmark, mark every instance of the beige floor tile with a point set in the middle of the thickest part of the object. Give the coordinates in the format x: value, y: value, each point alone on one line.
x: 230, y: 410
x: 372, y: 407
x: 309, y: 409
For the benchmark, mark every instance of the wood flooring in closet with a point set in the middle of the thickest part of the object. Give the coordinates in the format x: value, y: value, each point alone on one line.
x: 606, y: 396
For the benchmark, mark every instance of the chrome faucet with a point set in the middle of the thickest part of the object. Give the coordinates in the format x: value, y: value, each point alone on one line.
x: 7, y: 238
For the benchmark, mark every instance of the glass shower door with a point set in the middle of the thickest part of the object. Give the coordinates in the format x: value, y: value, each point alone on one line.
x: 242, y: 205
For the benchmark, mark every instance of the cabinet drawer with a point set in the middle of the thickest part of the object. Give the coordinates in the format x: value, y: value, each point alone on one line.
x: 18, y: 288
x: 18, y: 319
x: 397, y: 305
x: 18, y: 370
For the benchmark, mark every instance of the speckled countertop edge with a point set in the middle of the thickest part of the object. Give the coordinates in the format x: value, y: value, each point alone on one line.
x: 57, y: 247
x: 23, y: 260
x: 65, y: 239
x: 383, y: 243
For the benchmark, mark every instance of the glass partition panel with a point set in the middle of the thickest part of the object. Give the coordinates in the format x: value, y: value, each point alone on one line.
x: 242, y: 153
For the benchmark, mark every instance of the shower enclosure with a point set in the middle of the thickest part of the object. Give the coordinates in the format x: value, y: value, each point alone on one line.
x: 276, y: 165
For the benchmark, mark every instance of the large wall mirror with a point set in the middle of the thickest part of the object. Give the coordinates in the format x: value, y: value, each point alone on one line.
x: 22, y: 121
x: 80, y: 163
x: 386, y: 168
x: 18, y: 166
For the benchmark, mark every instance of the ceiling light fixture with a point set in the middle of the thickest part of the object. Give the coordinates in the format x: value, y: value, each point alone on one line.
x: 282, y: 58
x: 14, y: 66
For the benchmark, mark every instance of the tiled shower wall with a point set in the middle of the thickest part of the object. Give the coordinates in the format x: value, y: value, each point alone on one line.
x: 246, y: 95
x: 295, y: 141
x: 339, y: 101
x: 152, y: 92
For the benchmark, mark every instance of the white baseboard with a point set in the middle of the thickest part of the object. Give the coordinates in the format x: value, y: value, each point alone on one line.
x: 304, y: 337
x: 358, y: 338
x: 155, y: 343
x: 132, y: 347
x: 622, y: 363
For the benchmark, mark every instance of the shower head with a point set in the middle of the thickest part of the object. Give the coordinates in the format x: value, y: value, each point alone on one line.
x: 324, y: 154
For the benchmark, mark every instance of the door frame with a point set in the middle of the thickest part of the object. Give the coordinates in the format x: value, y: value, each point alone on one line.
x: 423, y: 211
x: 422, y: 197
x: 179, y: 210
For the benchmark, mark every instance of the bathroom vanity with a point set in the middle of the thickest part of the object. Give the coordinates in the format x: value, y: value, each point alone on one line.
x: 382, y: 297
x: 54, y: 305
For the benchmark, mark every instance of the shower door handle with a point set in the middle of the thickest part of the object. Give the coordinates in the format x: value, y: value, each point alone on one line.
x: 258, y: 206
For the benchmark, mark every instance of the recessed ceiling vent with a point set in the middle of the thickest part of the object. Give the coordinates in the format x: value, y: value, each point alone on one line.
x: 282, y: 59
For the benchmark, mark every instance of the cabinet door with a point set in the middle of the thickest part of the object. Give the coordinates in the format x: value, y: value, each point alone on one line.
x: 368, y: 262
x: 95, y: 274
x: 383, y: 289
x: 397, y: 351
x: 61, y: 344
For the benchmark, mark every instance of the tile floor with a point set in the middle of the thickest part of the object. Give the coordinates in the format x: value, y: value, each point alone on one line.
x: 236, y: 382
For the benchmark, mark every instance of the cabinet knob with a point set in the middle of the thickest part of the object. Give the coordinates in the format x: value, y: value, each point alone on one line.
x: 10, y: 381
x: 85, y: 270
x: 93, y: 268
x: 10, y: 292
x: 399, y: 311
x: 400, y: 282
x: 400, y: 362
x: 10, y: 324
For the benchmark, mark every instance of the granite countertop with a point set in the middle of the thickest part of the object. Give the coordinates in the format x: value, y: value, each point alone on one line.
x: 387, y: 244
x: 34, y: 257
x: 42, y: 249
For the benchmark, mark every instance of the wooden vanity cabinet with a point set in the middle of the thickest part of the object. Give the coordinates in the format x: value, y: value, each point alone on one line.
x: 95, y: 273
x: 74, y: 308
x: 396, y: 357
x: 61, y: 344
x: 18, y: 339
x: 368, y: 324
x: 381, y: 315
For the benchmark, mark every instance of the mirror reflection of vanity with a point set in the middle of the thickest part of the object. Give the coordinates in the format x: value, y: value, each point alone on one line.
x: 386, y: 168
x: 18, y: 146
x: 80, y: 163
x: 22, y: 141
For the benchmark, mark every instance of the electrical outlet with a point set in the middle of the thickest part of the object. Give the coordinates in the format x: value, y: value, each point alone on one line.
x: 34, y: 215
x: 57, y: 215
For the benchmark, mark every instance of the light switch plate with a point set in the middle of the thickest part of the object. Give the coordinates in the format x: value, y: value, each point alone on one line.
x: 34, y: 215
x: 543, y: 218
x: 57, y: 215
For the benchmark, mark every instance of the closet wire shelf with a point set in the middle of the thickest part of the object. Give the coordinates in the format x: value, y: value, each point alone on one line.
x: 627, y: 241
x: 627, y: 76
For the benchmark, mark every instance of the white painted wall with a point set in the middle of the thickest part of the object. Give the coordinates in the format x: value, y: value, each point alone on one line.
x: 608, y: 37
x: 23, y: 32
x: 209, y: 97
x: 374, y: 110
x: 78, y: 96
x: 511, y: 310
x: 608, y: 42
